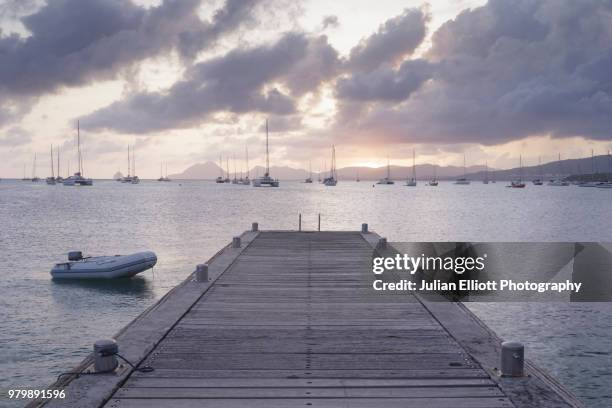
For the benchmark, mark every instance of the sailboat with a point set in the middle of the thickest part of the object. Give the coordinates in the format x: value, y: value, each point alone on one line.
x: 24, y: 178
x: 78, y: 179
x: 463, y: 180
x: 220, y: 179
x: 161, y: 174
x: 58, y: 179
x: 127, y: 178
x: 266, y: 180
x: 246, y: 181
x: 538, y: 181
x: 486, y: 177
x: 51, y: 180
x: 434, y: 181
x: 519, y: 182
x: 235, y: 180
x: 35, y: 178
x: 135, y: 179
x: 558, y: 182
x: 332, y: 180
x: 227, y: 177
x: 412, y: 182
x: 309, y: 178
x: 387, y: 180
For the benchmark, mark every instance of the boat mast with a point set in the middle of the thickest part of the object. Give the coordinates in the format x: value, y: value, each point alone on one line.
x: 333, y: 166
x: 267, y: 153
x: 248, y: 171
x: 129, y: 168
x: 134, y: 160
x: 52, y: 170
x: 79, y: 148
x: 464, y: 169
x: 388, y: 169
x: 413, y: 166
x: 58, y: 163
x: 34, y: 167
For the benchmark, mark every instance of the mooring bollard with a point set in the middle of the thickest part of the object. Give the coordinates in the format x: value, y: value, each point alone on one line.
x: 512, y: 359
x: 236, y: 242
x: 105, y: 359
x: 255, y: 227
x: 364, y: 227
x: 382, y: 243
x: 300, y: 222
x: 319, y: 226
x: 202, y: 273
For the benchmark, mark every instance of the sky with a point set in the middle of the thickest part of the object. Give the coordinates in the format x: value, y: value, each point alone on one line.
x: 185, y: 81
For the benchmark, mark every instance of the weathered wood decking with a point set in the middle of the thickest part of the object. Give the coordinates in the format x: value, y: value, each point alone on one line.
x: 289, y: 320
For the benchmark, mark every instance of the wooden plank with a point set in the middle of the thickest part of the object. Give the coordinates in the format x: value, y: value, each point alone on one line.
x: 310, y: 392
x: 495, y: 402
x: 306, y: 383
x: 459, y: 373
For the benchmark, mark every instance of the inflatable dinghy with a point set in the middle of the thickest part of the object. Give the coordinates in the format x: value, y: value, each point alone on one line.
x: 103, y: 267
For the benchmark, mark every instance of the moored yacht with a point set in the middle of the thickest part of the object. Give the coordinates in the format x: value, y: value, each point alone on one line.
x: 538, y: 181
x: 387, y: 180
x: 412, y: 182
x: 266, y: 180
x: 309, y: 178
x: 51, y: 180
x: 434, y: 181
x: 332, y: 180
x: 77, y: 179
x: 518, y: 183
x: 463, y: 180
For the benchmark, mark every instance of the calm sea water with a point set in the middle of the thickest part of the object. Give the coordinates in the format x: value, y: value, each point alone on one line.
x: 48, y: 327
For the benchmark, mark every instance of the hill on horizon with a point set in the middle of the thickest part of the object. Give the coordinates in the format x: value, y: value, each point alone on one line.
x: 601, y: 164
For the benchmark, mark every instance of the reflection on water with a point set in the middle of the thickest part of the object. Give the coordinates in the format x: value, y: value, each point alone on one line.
x: 50, y: 326
x: 137, y: 287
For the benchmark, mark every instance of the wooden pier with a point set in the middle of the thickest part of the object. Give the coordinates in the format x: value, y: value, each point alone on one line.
x: 289, y: 319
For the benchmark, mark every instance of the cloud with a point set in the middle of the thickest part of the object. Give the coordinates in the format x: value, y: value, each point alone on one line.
x: 243, y: 80
x: 397, y: 38
x: 500, y: 72
x: 330, y: 22
x: 385, y: 83
x: 74, y: 42
x: 15, y: 136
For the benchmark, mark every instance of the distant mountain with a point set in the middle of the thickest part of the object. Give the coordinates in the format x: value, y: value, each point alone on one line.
x: 564, y: 168
x: 602, y: 164
x: 210, y: 171
x: 202, y: 171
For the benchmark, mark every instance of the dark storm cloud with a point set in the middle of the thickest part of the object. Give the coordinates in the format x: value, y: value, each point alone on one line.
x: 499, y: 72
x: 238, y: 82
x: 74, y: 42
x: 397, y: 38
x: 385, y: 83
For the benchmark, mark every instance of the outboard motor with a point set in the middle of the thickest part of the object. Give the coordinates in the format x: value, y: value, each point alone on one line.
x: 75, y: 255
